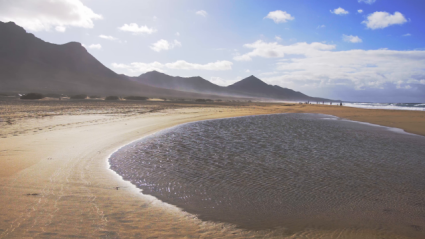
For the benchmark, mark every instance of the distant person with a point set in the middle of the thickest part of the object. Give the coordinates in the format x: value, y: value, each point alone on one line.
x: 340, y: 103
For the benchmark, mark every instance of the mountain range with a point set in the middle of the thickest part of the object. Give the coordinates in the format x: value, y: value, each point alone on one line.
x: 29, y: 64
x: 248, y: 87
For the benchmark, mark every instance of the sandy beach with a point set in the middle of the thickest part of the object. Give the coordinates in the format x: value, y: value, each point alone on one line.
x: 56, y: 183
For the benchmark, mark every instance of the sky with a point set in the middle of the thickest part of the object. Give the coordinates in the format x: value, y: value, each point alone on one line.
x: 353, y: 50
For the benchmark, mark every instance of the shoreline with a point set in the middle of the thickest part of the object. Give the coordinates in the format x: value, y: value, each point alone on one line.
x: 71, y: 174
x: 40, y: 187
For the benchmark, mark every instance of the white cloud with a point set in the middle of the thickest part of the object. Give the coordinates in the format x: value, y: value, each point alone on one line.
x: 368, y: 1
x: 93, y: 46
x: 356, y: 68
x: 177, y: 43
x: 134, y: 28
x: 407, y: 87
x: 352, y: 39
x: 339, y: 11
x: 213, y: 66
x: 402, y: 85
x: 279, y: 16
x: 278, y: 38
x: 407, y: 35
x: 140, y: 67
x: 360, y: 11
x: 275, y: 50
x: 60, y: 28
x: 321, y: 26
x: 202, y: 13
x: 42, y: 15
x: 269, y: 73
x: 247, y: 71
x: 108, y: 37
x: 178, y: 34
x: 318, y: 64
x: 164, y: 45
x: 379, y: 20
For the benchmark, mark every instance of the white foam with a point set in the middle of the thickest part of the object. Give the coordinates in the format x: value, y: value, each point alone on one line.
x: 384, y: 106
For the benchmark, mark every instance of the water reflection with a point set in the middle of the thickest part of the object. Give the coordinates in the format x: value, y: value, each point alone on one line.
x: 289, y: 170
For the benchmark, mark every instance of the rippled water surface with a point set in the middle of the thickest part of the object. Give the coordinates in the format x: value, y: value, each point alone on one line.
x: 293, y: 171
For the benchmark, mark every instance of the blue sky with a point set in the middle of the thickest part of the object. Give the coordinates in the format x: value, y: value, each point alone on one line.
x: 342, y: 49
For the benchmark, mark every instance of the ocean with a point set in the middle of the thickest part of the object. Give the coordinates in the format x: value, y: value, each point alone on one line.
x: 292, y: 171
x: 388, y: 106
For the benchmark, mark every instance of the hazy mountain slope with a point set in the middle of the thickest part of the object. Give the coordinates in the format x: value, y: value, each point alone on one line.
x: 190, y: 84
x: 251, y: 85
x: 256, y: 87
x: 248, y: 87
x: 30, y: 64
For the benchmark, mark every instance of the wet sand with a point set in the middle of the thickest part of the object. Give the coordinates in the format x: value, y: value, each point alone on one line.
x: 55, y: 181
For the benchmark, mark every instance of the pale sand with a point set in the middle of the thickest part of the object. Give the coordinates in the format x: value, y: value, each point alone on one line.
x: 63, y: 166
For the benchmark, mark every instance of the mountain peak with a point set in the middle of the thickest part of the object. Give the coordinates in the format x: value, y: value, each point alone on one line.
x: 12, y: 25
x: 250, y: 81
x: 152, y: 73
x: 74, y: 46
x: 10, y: 30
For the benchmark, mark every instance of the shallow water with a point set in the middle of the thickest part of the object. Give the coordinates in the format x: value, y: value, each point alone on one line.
x: 291, y: 171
